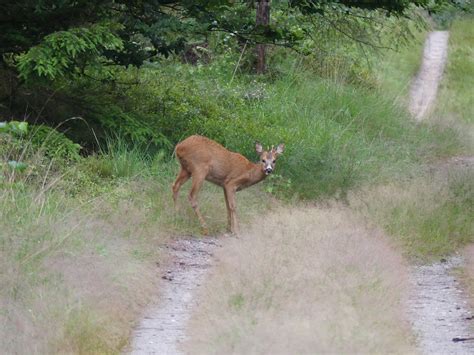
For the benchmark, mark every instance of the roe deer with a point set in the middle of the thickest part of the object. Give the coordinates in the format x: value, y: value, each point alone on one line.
x: 203, y: 159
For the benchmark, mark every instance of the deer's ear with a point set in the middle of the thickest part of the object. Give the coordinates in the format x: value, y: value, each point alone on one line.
x: 258, y: 148
x: 280, y: 148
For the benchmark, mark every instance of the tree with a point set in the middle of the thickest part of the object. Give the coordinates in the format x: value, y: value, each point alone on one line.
x: 326, y: 9
x: 55, y: 38
x: 262, y: 22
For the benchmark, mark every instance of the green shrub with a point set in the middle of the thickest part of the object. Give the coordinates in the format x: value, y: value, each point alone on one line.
x: 53, y: 143
x: 120, y: 159
x: 156, y: 110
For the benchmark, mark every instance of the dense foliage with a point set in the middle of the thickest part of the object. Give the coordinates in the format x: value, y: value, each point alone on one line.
x: 52, y: 38
x: 153, y: 72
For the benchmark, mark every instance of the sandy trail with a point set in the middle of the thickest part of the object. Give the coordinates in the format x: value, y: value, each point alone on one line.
x: 425, y: 86
x: 438, y: 307
x: 163, y: 328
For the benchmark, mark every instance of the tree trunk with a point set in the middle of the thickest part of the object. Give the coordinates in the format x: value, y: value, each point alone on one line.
x: 263, y: 20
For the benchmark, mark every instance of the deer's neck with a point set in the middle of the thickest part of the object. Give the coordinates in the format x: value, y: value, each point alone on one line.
x: 254, y: 176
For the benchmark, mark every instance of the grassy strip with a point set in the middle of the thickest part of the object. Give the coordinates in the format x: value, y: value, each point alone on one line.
x: 455, y: 97
x: 456, y: 105
x: 304, y: 280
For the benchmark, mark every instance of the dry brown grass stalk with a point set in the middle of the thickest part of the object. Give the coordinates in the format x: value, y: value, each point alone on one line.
x: 75, y: 276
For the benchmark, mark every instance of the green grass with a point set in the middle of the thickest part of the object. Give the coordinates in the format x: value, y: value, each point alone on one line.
x: 455, y: 96
x: 337, y: 136
x: 396, y: 69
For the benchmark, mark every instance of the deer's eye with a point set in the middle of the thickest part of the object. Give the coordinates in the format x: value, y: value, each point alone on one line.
x: 263, y: 160
x: 273, y: 161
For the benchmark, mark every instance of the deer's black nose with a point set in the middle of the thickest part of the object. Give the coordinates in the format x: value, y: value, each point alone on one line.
x: 268, y: 171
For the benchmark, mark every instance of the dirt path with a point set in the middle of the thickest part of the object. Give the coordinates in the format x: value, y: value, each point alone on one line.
x: 163, y: 328
x: 425, y: 86
x: 438, y: 307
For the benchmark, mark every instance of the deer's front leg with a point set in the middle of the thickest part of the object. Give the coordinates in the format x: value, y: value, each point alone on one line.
x: 229, y: 220
x: 230, y: 193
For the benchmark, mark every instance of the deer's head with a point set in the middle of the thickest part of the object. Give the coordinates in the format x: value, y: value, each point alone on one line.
x: 269, y: 157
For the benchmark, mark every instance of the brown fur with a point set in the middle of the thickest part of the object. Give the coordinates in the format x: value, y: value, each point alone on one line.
x: 204, y: 159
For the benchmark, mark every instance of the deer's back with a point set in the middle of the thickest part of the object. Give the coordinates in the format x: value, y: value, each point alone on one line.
x: 198, y: 152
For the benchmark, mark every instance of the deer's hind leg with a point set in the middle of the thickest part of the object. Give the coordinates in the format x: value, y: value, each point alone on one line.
x: 182, y: 177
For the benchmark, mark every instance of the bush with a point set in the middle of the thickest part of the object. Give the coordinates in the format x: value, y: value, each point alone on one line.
x: 54, y: 144
x: 155, y: 110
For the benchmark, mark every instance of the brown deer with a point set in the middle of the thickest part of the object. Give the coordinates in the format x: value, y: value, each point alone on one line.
x: 203, y: 159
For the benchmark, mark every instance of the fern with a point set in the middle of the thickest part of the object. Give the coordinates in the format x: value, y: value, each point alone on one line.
x: 67, y: 52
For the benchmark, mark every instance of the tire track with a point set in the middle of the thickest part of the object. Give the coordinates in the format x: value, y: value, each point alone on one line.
x: 425, y: 86
x: 163, y: 327
x: 439, y: 309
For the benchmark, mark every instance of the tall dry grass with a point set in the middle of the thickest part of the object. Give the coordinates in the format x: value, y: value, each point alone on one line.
x: 304, y: 280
